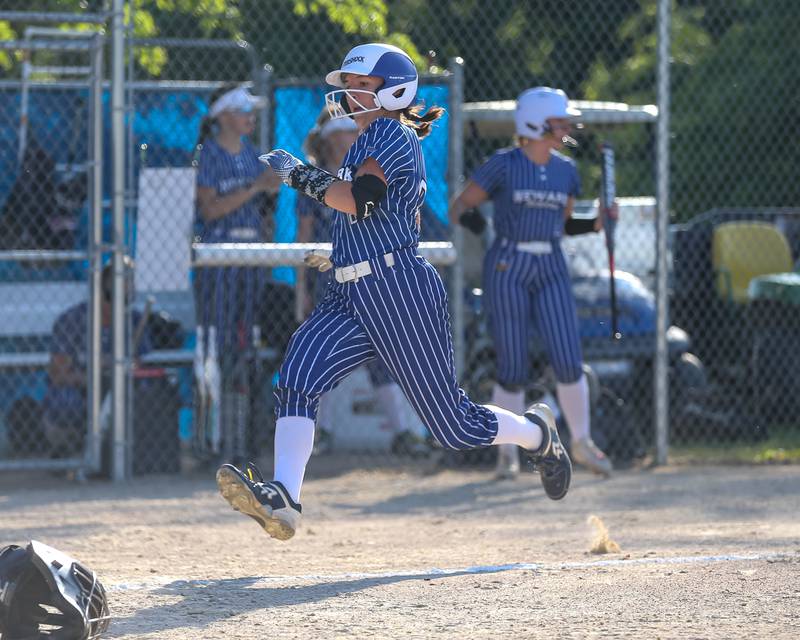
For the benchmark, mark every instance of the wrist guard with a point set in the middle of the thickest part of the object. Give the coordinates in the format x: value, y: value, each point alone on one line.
x: 579, y: 226
x: 473, y: 220
x: 311, y: 180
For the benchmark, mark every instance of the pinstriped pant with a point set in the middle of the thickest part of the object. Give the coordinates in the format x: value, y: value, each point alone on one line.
x: 522, y: 288
x: 398, y: 315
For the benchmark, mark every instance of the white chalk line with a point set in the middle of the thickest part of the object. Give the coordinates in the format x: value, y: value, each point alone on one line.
x: 159, y: 582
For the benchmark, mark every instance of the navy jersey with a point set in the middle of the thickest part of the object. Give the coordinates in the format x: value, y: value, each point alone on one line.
x: 321, y: 215
x: 528, y: 199
x: 393, y: 223
x: 226, y: 172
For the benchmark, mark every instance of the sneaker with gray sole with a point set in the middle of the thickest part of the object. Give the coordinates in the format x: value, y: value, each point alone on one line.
x: 550, y: 459
x: 268, y: 503
x: 586, y: 453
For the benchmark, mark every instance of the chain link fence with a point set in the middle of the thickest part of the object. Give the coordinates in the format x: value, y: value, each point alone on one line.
x: 734, y: 234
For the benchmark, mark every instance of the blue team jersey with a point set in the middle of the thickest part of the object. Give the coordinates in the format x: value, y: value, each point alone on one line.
x: 393, y: 223
x: 528, y: 199
x: 226, y: 172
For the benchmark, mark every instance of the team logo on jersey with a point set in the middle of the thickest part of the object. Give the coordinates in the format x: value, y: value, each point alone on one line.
x: 539, y: 199
x: 347, y: 172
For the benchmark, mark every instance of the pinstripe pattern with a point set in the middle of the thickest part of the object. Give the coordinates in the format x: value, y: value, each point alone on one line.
x: 520, y: 287
x: 397, y: 315
x: 227, y: 296
x: 321, y: 232
x: 528, y: 199
x: 397, y: 150
x: 529, y: 203
x: 400, y: 316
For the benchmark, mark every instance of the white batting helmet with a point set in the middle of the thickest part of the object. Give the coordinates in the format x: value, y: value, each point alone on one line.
x: 385, y: 61
x: 535, y: 106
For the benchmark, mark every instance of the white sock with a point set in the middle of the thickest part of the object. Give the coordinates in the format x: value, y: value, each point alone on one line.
x: 514, y: 401
x: 515, y: 429
x: 294, y: 440
x: 574, y: 401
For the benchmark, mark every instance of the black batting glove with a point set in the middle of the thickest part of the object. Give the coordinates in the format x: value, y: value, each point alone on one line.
x: 473, y: 221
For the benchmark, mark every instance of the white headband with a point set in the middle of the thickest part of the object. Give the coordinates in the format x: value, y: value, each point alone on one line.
x: 337, y: 124
x: 239, y: 99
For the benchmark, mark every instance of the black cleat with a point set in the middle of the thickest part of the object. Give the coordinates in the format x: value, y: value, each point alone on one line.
x: 268, y: 503
x: 550, y: 459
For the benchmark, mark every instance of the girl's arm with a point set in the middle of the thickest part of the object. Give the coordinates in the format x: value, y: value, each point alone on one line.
x: 469, y: 198
x: 339, y: 195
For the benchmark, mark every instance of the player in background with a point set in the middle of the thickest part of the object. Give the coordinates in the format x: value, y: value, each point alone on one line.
x: 387, y: 302
x: 533, y: 187
x: 325, y: 146
x: 230, y: 187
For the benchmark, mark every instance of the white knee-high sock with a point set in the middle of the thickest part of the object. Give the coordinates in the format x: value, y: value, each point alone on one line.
x: 294, y: 440
x: 574, y: 401
x: 515, y: 429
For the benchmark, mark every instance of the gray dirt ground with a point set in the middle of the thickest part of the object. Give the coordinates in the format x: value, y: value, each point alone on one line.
x: 705, y: 553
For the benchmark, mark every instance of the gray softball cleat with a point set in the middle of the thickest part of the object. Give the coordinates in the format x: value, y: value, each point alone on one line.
x: 550, y: 459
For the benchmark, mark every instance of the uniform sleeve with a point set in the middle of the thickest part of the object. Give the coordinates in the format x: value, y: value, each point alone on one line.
x: 491, y: 175
x: 388, y: 145
x: 207, y: 171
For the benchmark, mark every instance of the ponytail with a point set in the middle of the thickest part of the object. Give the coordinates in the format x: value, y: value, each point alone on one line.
x: 422, y: 123
x: 206, y: 129
x: 207, y: 123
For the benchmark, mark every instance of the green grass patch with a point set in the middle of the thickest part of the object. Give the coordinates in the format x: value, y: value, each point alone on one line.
x: 783, y: 447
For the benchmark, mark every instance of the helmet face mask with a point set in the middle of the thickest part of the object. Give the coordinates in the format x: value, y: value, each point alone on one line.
x: 392, y: 65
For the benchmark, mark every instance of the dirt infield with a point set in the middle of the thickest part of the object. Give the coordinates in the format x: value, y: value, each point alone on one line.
x: 705, y: 553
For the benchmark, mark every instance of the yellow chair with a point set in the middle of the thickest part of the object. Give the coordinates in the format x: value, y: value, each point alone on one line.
x: 740, y: 251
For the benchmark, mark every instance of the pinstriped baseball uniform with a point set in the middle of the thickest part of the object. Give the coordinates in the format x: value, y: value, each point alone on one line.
x: 532, y: 283
x: 323, y: 218
x: 227, y: 296
x: 397, y: 314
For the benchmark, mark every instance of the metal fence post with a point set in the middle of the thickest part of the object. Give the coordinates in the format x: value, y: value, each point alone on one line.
x: 455, y: 177
x: 118, y: 206
x: 94, y: 450
x: 662, y: 189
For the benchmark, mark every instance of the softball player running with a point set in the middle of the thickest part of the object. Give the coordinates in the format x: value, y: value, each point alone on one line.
x: 326, y: 146
x: 386, y: 302
x: 533, y: 188
x: 230, y: 180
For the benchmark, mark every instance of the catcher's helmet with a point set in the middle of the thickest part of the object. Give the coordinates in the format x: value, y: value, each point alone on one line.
x: 385, y: 61
x: 39, y: 576
x: 535, y: 106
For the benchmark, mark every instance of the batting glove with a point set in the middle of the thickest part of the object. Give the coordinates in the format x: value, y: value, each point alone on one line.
x: 281, y: 162
x: 317, y: 261
x: 473, y: 221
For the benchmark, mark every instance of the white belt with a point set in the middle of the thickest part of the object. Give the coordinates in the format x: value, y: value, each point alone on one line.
x: 353, y: 272
x: 537, y: 247
x: 243, y: 233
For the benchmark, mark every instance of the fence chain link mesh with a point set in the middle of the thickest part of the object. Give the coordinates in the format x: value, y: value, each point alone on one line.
x: 734, y: 231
